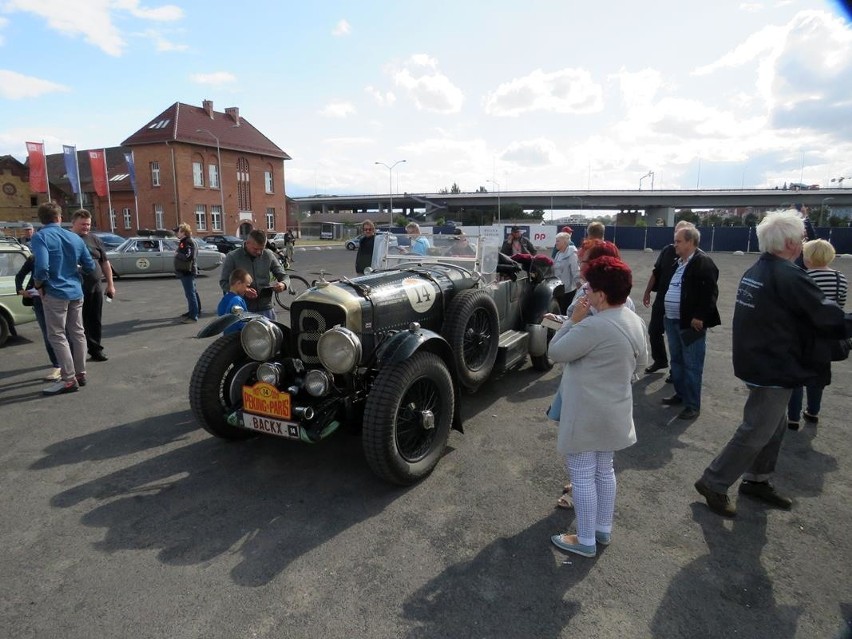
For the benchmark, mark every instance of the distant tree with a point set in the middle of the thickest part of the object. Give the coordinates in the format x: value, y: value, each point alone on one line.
x: 732, y: 220
x: 642, y: 223
x: 455, y: 188
x: 836, y: 221
x: 481, y: 189
x: 713, y: 220
x: 440, y: 221
x: 687, y: 215
x: 443, y: 191
x: 750, y: 219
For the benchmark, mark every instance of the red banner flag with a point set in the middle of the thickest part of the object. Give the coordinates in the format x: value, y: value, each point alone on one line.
x: 38, y: 169
x: 97, y: 160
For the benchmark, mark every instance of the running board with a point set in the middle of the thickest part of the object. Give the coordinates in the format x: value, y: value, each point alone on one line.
x: 513, y: 349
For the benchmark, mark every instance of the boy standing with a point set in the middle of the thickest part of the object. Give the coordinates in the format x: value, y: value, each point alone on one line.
x: 239, y: 281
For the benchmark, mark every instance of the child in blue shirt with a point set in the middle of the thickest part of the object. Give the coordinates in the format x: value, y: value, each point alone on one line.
x: 239, y: 281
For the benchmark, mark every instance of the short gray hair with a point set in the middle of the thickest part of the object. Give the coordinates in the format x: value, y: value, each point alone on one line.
x: 690, y: 234
x: 563, y: 236
x: 777, y: 228
x: 412, y: 226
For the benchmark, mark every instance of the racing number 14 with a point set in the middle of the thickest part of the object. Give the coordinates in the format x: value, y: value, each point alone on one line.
x: 423, y: 294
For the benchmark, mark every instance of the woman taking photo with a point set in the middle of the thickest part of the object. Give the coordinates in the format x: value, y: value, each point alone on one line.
x: 601, y: 353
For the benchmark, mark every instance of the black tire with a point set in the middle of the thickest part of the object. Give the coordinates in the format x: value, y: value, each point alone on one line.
x: 398, y: 446
x: 350, y: 246
x: 215, y: 388
x: 543, y: 362
x: 472, y: 329
x: 298, y: 285
x: 5, y: 330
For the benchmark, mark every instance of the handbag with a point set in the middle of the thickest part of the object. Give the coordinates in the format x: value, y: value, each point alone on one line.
x: 840, y: 347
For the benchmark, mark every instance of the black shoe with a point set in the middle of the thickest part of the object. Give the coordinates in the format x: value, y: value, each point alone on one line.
x: 185, y: 315
x: 717, y: 502
x: 688, y: 413
x: 810, y: 418
x: 653, y: 368
x: 674, y: 400
x: 765, y: 492
x: 668, y: 379
x: 99, y: 357
x: 793, y: 425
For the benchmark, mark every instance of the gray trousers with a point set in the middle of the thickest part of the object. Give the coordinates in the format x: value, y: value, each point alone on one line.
x: 64, y: 320
x: 753, y: 450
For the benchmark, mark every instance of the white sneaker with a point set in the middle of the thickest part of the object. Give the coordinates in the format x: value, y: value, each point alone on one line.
x: 54, y: 375
x: 60, y: 387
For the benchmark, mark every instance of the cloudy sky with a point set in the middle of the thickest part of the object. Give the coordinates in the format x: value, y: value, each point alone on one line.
x: 541, y: 94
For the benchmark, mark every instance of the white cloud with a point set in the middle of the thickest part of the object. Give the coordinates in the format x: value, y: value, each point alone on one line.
x: 14, y: 86
x: 217, y: 78
x: 342, y: 28
x: 565, y: 91
x: 431, y: 90
x: 382, y: 99
x: 161, y: 43
x: 3, y: 23
x: 337, y: 109
x: 532, y: 153
x: 93, y: 19
x: 349, y: 141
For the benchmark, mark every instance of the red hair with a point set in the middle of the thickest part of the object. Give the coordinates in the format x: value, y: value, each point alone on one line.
x: 611, y: 276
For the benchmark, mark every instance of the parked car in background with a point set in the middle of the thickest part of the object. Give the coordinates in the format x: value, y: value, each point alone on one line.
x: 225, y: 243
x: 150, y: 255
x: 355, y: 242
x: 111, y: 240
x: 12, y: 309
x: 278, y: 239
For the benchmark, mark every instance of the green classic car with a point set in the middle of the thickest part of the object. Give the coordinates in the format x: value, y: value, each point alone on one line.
x: 12, y: 309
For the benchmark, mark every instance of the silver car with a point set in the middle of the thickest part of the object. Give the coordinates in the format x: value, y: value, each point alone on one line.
x: 12, y: 309
x: 155, y: 255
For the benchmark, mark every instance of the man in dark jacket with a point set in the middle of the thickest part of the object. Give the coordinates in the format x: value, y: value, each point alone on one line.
x: 664, y: 268
x: 259, y: 262
x: 517, y: 244
x: 781, y: 332
x: 690, y: 309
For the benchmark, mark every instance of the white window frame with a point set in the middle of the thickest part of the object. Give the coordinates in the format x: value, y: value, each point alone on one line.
x: 216, y: 217
x: 200, y: 217
x: 155, y: 174
x: 270, y: 219
x: 159, y: 217
x: 128, y: 222
x: 213, y: 175
x: 197, y: 173
x: 267, y: 179
x: 112, y: 224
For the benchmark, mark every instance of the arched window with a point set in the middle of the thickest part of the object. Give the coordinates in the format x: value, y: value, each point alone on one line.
x: 268, y: 181
x: 213, y: 172
x: 243, y: 185
x: 197, y: 170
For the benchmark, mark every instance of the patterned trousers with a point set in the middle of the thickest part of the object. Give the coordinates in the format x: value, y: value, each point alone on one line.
x: 593, y: 478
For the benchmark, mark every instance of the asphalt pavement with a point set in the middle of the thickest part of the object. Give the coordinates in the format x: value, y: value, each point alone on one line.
x: 120, y: 517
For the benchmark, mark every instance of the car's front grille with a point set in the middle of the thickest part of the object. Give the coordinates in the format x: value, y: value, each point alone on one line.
x: 309, y: 321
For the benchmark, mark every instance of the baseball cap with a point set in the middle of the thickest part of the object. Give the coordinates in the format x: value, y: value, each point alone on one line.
x: 27, y: 226
x: 567, y: 229
x: 515, y: 228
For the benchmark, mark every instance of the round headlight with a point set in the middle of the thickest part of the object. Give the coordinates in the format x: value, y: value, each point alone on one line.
x: 339, y: 350
x: 269, y: 372
x: 261, y: 339
x: 317, y: 383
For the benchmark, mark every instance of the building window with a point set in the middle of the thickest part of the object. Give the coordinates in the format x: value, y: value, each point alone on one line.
x: 200, y: 217
x: 267, y: 180
x: 159, y: 217
x: 243, y: 190
x: 155, y: 174
x: 197, y: 173
x: 126, y: 212
x: 216, y: 217
x: 112, y: 225
x: 213, y: 175
x: 270, y: 219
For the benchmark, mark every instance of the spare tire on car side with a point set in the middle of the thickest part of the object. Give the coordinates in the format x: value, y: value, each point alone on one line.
x: 472, y: 329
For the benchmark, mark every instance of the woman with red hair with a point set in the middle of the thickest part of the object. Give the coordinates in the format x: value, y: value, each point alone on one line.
x: 601, y: 353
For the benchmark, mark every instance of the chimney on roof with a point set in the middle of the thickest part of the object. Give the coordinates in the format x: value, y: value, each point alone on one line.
x: 234, y: 113
x: 207, y: 105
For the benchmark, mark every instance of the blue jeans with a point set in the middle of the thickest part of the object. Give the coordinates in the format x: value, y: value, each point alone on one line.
x: 686, y: 363
x: 39, y: 313
x: 188, y: 283
x: 794, y: 407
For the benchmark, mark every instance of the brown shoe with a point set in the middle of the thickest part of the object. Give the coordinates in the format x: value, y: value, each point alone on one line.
x: 717, y: 502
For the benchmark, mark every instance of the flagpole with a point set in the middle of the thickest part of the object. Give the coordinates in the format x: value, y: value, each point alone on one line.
x: 79, y: 186
x: 46, y: 174
x: 109, y: 197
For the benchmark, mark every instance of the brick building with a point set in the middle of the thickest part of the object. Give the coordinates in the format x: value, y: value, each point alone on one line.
x: 211, y: 169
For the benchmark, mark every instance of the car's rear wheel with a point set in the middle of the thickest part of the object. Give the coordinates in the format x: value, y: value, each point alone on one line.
x: 543, y: 362
x: 472, y: 329
x: 350, y: 246
x: 215, y: 388
x: 407, y: 418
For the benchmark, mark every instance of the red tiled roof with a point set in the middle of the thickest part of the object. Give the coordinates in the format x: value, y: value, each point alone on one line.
x: 180, y: 123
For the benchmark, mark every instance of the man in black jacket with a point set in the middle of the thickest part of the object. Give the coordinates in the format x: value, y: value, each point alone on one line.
x: 782, y: 329
x: 690, y: 309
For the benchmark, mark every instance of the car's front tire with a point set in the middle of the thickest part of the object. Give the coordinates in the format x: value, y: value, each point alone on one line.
x: 350, y: 246
x: 407, y: 418
x: 215, y: 388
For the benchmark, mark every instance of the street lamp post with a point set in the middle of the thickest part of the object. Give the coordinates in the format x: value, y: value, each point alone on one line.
x: 390, y: 186
x: 497, y: 184
x: 822, y: 208
x: 649, y: 174
x: 219, y: 169
x: 839, y: 181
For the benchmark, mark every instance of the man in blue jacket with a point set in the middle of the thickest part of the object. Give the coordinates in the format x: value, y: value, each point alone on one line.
x: 58, y: 252
x: 782, y: 331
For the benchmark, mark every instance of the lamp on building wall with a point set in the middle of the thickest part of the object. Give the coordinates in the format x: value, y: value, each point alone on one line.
x: 390, y: 186
x: 219, y: 168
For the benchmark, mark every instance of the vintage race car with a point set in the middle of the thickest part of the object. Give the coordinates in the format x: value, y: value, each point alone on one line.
x: 387, y: 353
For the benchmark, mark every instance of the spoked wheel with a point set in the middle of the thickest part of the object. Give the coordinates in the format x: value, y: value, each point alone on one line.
x: 298, y: 285
x: 472, y: 329
x: 407, y: 418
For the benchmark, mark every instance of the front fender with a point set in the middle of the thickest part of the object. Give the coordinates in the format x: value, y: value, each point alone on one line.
x: 540, y: 300
x: 405, y: 343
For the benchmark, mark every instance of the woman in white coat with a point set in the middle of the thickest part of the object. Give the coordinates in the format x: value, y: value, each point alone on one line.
x: 601, y: 353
